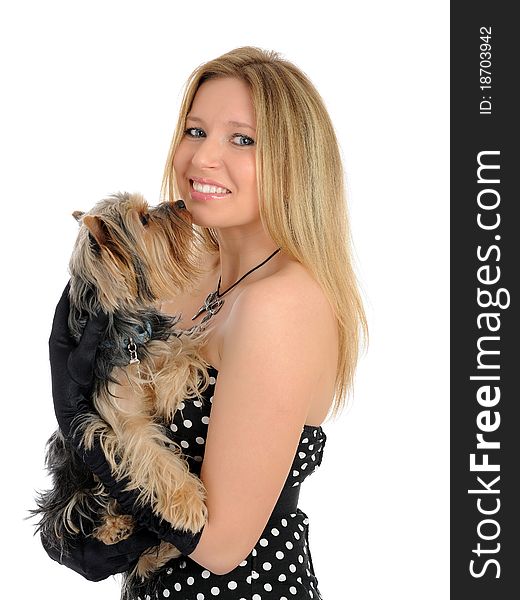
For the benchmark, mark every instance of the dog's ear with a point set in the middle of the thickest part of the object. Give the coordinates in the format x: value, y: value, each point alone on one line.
x: 97, y: 229
x: 77, y: 214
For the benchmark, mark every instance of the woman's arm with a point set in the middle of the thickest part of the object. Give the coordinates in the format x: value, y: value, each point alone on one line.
x: 273, y: 353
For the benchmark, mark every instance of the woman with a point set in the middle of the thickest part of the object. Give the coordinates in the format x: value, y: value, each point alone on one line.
x: 255, y: 158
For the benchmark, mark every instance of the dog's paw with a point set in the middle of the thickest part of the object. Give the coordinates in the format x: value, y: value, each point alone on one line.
x: 114, y: 529
x: 155, y: 558
x: 186, y: 509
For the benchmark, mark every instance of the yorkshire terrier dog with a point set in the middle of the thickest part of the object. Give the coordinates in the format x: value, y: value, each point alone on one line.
x: 126, y: 258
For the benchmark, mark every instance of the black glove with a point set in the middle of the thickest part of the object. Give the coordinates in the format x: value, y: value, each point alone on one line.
x: 96, y: 561
x: 72, y: 372
x: 72, y: 365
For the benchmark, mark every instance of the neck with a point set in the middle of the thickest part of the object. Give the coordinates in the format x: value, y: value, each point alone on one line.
x: 240, y: 253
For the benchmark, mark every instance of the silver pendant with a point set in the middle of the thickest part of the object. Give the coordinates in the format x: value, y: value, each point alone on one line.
x: 211, y: 305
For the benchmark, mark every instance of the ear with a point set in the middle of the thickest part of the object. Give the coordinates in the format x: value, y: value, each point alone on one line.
x: 97, y: 229
x: 77, y: 214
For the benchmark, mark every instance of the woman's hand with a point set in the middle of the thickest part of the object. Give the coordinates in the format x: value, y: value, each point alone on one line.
x: 96, y: 561
x: 72, y: 365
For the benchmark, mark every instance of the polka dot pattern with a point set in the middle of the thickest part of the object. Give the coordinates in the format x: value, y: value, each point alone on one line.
x: 280, y: 565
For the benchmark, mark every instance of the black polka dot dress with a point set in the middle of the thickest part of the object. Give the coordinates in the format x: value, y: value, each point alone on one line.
x: 280, y: 565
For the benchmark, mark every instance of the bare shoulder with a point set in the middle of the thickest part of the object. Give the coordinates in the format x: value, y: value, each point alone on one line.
x: 285, y: 315
x: 290, y: 295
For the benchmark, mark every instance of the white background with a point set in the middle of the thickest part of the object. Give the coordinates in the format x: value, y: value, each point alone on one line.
x: 90, y: 97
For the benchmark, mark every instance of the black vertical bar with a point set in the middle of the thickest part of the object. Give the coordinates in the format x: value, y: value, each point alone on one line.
x: 485, y: 256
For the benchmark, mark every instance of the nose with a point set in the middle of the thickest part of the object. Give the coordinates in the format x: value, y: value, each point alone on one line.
x: 208, y: 153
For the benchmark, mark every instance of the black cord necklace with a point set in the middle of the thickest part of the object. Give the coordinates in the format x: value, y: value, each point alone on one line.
x: 214, y: 302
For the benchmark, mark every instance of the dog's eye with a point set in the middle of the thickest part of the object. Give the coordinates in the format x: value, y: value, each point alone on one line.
x: 93, y: 243
x: 144, y: 219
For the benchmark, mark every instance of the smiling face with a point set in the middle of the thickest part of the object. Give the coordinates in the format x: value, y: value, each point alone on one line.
x: 218, y: 148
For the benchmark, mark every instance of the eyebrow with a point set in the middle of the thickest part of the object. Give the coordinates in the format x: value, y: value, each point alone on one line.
x: 235, y: 123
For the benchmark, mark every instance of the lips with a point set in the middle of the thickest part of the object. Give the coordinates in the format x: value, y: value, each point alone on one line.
x: 209, y: 196
x: 206, y: 181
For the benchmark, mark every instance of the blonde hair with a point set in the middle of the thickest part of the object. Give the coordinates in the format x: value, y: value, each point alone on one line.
x: 301, y: 188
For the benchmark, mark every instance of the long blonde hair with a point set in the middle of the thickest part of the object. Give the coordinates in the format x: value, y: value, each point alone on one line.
x: 301, y: 188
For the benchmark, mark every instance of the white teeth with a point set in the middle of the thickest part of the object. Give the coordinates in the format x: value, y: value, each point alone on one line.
x: 208, y: 189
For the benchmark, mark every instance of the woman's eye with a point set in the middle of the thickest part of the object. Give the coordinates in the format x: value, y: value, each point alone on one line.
x: 190, y: 129
x: 249, y: 141
x: 144, y: 219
